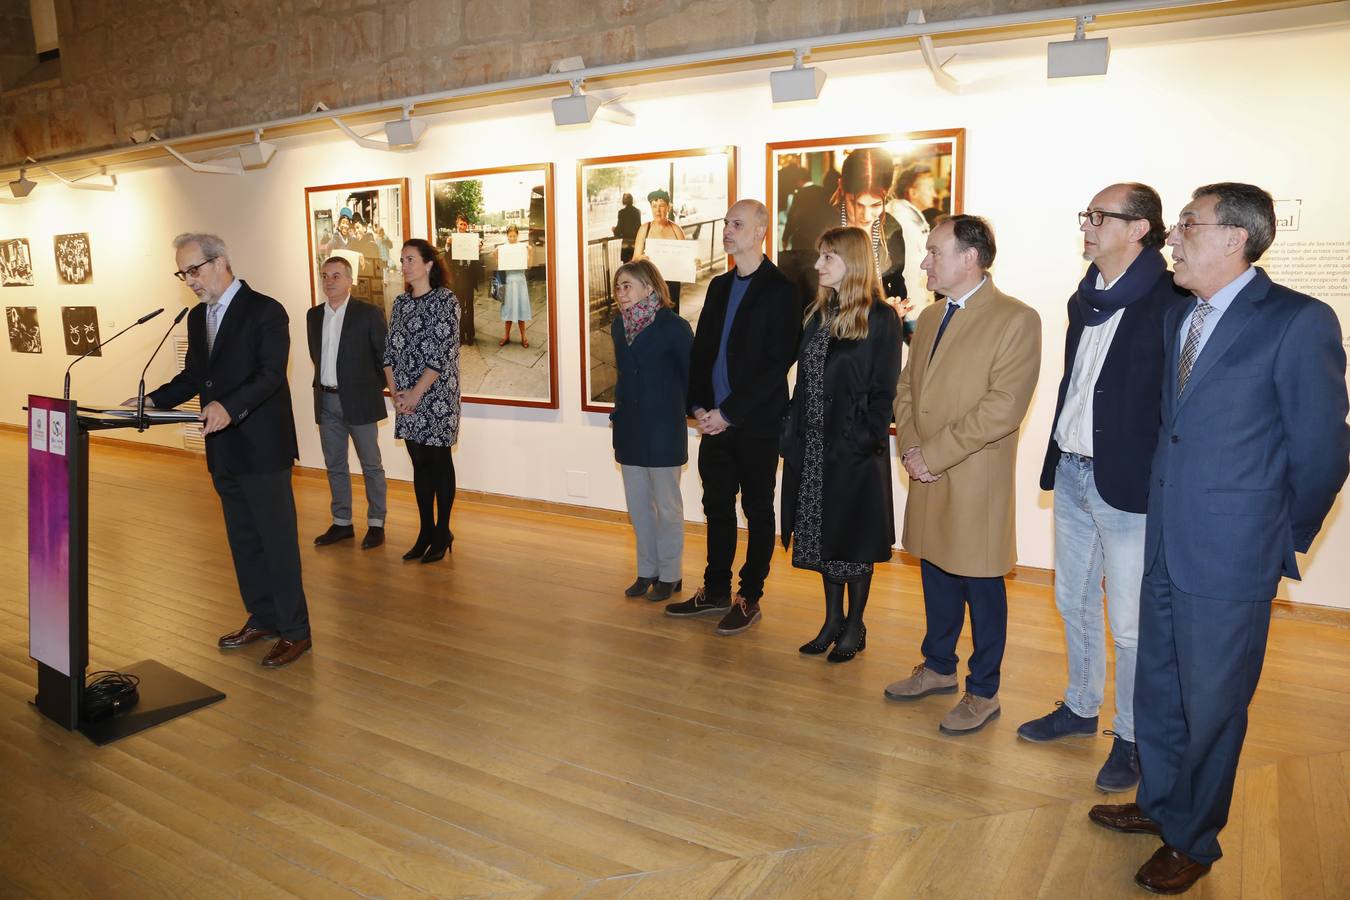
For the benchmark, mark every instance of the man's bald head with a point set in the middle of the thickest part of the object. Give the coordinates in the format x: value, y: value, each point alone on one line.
x: 752, y: 211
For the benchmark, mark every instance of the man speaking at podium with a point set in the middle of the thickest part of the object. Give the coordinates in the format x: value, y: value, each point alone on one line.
x: 238, y: 347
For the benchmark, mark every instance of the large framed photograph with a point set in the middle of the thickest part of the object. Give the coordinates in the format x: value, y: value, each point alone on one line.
x: 667, y: 207
x: 365, y: 222
x: 894, y: 186
x: 495, y: 227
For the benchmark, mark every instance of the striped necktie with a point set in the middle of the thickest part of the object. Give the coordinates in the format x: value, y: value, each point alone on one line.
x: 212, y: 324
x: 1191, y: 349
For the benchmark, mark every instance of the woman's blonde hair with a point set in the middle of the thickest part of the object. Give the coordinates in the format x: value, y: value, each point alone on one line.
x: 644, y: 271
x: 859, y: 289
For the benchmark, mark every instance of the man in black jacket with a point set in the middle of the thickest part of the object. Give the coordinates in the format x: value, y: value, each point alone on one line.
x: 744, y: 345
x: 1098, y: 460
x: 346, y: 344
x: 238, y: 346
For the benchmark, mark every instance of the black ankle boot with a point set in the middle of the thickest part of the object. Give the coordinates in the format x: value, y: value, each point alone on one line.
x: 834, y: 620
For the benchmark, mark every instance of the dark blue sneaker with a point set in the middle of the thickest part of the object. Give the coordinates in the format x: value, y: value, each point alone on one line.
x: 1121, y: 770
x: 1063, y: 722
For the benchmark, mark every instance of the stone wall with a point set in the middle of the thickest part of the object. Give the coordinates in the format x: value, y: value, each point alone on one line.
x: 182, y: 67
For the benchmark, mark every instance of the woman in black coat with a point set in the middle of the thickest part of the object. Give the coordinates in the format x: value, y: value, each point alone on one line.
x: 835, y: 443
x: 651, y: 445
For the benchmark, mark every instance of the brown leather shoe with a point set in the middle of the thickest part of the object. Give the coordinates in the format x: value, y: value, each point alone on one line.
x: 285, y: 651
x: 1126, y: 817
x: 1169, y: 871
x: 246, y: 635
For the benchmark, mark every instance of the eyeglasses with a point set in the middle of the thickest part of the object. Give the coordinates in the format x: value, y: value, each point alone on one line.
x: 191, y: 271
x: 1185, y: 227
x: 1097, y: 216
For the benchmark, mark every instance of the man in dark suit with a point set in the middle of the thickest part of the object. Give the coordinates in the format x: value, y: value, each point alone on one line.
x: 346, y: 344
x: 744, y: 345
x: 1252, y: 451
x: 238, y: 346
x: 1097, y: 462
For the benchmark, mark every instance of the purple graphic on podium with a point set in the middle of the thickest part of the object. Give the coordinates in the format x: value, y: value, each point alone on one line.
x: 49, y: 463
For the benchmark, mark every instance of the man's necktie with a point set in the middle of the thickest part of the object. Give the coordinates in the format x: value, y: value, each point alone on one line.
x: 1191, y: 349
x: 946, y: 317
x: 212, y: 323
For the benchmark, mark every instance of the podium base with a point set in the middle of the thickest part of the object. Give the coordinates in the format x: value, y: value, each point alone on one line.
x: 165, y: 695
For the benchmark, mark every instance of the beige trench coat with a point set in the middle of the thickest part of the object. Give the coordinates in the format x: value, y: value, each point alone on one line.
x: 962, y: 409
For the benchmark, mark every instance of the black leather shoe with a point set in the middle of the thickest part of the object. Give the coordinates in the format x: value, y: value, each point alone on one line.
x: 419, y: 549
x: 662, y: 590
x: 374, y: 537
x: 334, y: 534
x: 841, y: 653
x: 436, y: 551
x: 638, y: 587
x: 820, y: 644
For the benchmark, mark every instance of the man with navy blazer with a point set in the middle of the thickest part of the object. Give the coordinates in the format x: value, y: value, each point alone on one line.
x: 346, y: 343
x: 238, y: 346
x: 745, y: 343
x: 1252, y: 451
x: 1097, y: 462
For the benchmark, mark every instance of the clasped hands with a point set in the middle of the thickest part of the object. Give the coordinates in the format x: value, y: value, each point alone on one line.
x: 405, y: 402
x: 710, y: 421
x: 913, y: 461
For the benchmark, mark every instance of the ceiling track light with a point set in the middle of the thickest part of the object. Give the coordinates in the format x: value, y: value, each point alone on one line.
x: 579, y: 108
x: 941, y: 77
x: 1081, y: 56
x: 797, y: 84
x: 230, y: 167
x: 401, y: 134
x: 256, y: 154
x: 83, y: 183
x: 23, y: 186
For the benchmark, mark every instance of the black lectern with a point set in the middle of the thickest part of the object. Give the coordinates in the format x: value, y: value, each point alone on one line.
x: 58, y: 576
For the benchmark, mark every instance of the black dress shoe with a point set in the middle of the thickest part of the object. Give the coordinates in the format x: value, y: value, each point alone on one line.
x: 374, y: 537
x: 419, y: 549
x: 662, y: 590
x: 819, y: 645
x: 334, y: 534
x: 638, y: 587
x: 436, y: 551
x: 843, y: 653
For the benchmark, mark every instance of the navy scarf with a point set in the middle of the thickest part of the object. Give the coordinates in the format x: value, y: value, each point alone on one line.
x: 1097, y: 306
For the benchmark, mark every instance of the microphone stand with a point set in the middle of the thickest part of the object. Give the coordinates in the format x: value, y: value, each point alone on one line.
x: 65, y: 391
x: 140, y: 390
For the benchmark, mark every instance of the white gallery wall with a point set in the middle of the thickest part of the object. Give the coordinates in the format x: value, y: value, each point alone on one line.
x: 1257, y: 98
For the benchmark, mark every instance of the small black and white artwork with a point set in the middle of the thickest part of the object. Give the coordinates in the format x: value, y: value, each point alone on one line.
x: 80, y: 328
x: 16, y: 263
x: 74, y: 263
x: 24, y: 334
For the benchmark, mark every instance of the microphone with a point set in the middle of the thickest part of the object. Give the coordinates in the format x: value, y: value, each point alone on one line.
x: 65, y: 391
x: 140, y: 391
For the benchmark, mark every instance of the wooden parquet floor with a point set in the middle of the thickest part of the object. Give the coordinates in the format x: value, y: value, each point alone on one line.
x: 505, y: 724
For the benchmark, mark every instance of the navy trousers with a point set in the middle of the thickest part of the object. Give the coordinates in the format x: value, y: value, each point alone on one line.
x: 945, y: 597
x: 1199, y: 661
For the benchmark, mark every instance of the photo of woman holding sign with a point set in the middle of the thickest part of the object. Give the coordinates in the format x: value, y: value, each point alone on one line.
x: 659, y: 228
x: 516, y: 297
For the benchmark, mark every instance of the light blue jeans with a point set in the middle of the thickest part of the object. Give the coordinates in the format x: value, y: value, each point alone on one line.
x: 1092, y: 538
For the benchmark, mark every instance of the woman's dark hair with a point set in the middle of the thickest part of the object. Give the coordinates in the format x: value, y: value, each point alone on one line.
x: 866, y: 171
x: 438, y: 275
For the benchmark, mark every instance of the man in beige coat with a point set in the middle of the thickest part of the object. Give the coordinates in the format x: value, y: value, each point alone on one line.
x: 972, y: 368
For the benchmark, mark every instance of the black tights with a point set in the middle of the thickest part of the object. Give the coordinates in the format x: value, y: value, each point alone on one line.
x: 434, y: 486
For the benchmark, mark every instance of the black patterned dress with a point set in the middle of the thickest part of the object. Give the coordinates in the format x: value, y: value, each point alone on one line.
x: 424, y: 334
x: 806, y: 531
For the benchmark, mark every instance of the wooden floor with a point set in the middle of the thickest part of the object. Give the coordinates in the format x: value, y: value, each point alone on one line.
x: 506, y: 724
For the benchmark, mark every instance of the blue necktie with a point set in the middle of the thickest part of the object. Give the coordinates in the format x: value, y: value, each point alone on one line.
x: 947, y: 317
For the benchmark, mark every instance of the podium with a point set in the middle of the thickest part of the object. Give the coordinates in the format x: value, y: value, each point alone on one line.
x: 58, y: 576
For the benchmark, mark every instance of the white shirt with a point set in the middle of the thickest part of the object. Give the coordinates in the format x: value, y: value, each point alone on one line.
x: 1073, y: 434
x: 960, y: 302
x: 1222, y: 299
x: 332, y: 332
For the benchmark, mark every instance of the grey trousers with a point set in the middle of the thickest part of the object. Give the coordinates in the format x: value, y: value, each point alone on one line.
x: 333, y: 433
x: 657, y: 511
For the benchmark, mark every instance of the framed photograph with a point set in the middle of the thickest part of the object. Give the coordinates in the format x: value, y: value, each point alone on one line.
x: 365, y: 222
x: 667, y: 207
x: 80, y: 328
x: 16, y: 263
x: 895, y: 186
x: 74, y: 264
x: 495, y: 227
x: 25, y: 335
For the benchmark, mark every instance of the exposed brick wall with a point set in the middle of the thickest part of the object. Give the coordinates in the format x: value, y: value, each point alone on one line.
x: 182, y: 67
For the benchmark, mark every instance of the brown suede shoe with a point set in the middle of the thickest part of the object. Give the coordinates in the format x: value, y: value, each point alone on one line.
x: 284, y: 652
x: 1169, y: 871
x: 246, y: 635
x: 970, y: 714
x: 920, y: 683
x: 1126, y: 817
